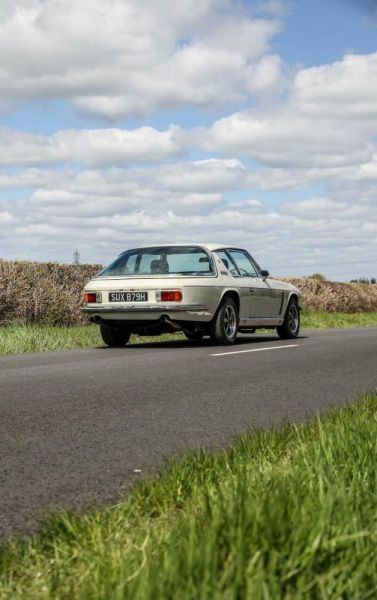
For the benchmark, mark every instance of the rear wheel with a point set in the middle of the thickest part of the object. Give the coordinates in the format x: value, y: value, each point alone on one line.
x: 223, y: 328
x: 114, y: 336
x: 291, y: 326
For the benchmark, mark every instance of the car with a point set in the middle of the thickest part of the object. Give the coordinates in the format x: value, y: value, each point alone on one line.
x: 213, y: 290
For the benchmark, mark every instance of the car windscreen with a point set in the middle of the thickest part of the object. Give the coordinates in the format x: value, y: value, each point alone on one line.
x: 161, y: 261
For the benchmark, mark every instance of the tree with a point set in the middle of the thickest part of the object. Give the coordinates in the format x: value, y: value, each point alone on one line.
x: 317, y: 276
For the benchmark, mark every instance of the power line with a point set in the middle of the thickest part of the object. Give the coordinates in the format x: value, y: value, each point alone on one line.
x: 76, y: 257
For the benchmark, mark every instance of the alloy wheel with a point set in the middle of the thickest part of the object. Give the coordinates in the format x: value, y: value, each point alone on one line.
x: 293, y: 318
x: 230, y: 321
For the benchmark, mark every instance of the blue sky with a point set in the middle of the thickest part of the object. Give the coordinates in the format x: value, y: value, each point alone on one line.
x: 319, y: 32
x: 258, y: 129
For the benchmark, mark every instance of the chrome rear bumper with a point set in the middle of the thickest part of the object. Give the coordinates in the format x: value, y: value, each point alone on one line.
x: 160, y: 308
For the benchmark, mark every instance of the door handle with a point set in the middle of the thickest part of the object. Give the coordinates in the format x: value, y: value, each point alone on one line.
x: 251, y: 290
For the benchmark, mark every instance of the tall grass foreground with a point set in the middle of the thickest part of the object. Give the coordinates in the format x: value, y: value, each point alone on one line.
x: 281, y: 514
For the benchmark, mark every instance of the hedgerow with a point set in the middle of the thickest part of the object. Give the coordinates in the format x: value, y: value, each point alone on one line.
x: 51, y: 293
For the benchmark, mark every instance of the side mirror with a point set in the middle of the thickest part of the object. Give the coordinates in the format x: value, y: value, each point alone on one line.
x: 265, y: 273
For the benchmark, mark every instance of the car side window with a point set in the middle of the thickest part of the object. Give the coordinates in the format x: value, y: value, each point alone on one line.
x: 244, y: 264
x: 228, y: 263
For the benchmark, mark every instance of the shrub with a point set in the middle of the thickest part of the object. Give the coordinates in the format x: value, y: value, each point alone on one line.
x: 335, y: 296
x: 43, y: 292
x: 317, y: 276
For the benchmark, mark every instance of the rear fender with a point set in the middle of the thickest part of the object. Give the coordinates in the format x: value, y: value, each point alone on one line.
x: 232, y: 293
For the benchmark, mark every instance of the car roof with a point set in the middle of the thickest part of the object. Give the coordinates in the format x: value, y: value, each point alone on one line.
x: 207, y: 246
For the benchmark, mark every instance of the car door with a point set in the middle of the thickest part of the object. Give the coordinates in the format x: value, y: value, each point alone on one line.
x: 274, y: 296
x: 241, y: 284
x: 264, y: 301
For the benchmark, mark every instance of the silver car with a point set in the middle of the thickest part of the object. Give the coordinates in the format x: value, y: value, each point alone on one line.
x: 203, y: 290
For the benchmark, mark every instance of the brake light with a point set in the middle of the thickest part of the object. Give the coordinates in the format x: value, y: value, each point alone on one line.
x: 171, y: 296
x: 92, y: 297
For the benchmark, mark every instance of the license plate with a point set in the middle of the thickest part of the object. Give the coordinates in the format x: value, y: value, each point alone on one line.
x: 128, y: 296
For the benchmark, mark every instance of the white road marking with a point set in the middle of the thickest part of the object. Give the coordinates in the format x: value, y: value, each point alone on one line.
x: 256, y: 350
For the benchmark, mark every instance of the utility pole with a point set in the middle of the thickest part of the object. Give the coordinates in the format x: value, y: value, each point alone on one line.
x: 76, y: 257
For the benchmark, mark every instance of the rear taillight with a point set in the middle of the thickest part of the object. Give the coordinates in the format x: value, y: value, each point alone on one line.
x: 170, y: 296
x: 92, y: 297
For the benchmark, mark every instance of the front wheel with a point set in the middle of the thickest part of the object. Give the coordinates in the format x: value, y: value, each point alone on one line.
x: 223, y: 328
x: 291, y: 325
x: 114, y: 336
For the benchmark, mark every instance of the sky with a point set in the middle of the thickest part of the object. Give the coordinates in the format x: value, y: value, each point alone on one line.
x: 241, y: 122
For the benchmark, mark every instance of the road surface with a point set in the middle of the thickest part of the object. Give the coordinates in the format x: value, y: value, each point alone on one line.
x: 78, y: 428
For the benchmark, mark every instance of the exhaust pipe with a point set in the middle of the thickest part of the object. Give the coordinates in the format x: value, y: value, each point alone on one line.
x: 176, y: 326
x: 95, y: 320
x: 168, y: 321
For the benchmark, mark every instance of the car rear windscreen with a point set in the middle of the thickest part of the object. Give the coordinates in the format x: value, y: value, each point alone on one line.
x: 166, y: 260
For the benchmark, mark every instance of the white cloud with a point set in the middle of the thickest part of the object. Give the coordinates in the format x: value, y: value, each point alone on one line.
x: 118, y: 58
x: 90, y: 147
x: 326, y: 208
x: 343, y: 91
x: 104, y: 211
x: 6, y: 218
x: 329, y: 120
x: 286, y: 139
x: 278, y: 238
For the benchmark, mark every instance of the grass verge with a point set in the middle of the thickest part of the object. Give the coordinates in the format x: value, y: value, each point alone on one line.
x: 320, y: 319
x: 288, y: 513
x: 20, y: 338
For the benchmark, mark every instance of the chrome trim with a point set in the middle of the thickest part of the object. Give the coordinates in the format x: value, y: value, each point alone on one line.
x: 140, y: 309
x: 208, y: 252
x: 226, y: 249
x: 259, y: 322
x: 165, y: 276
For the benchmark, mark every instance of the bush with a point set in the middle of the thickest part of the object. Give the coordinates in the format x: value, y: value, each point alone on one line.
x: 334, y: 297
x: 47, y: 293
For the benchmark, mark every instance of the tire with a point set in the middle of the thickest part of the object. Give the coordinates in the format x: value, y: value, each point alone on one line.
x: 290, y: 328
x: 194, y: 335
x: 224, y: 326
x: 113, y: 336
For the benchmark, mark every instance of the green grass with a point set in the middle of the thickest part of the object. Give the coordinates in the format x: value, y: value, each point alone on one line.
x: 320, y: 319
x: 18, y: 338
x: 288, y: 513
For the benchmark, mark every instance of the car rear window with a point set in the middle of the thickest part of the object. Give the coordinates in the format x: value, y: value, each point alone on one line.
x: 161, y: 261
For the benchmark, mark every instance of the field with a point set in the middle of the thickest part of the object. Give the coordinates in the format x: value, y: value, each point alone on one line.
x: 288, y: 513
x: 18, y: 337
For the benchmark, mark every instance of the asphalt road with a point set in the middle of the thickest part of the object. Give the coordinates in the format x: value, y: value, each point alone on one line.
x: 76, y: 427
